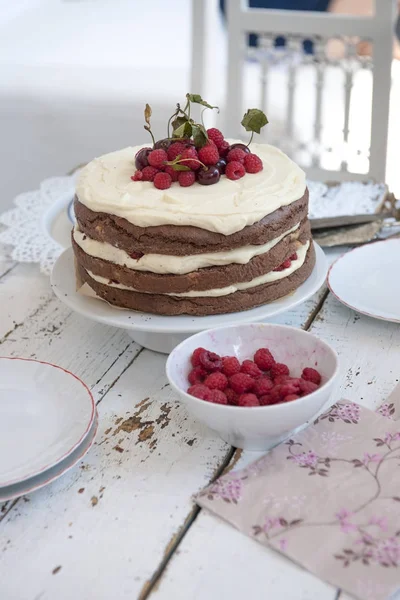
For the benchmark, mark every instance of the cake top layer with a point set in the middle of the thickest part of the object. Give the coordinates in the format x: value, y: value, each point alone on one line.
x: 105, y: 185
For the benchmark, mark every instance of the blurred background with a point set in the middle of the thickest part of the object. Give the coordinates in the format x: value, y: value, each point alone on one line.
x: 75, y: 76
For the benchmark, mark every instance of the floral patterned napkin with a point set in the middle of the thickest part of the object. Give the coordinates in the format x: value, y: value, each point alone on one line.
x: 329, y: 499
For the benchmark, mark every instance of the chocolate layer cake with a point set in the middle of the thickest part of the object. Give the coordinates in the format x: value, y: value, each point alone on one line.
x: 199, y: 250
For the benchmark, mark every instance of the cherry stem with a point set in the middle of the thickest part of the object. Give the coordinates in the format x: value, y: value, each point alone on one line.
x: 147, y: 128
x: 251, y: 139
x: 201, y: 116
x: 170, y: 119
x: 183, y: 160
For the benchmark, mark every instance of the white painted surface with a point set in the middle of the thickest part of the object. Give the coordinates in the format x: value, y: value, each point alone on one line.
x: 108, y: 522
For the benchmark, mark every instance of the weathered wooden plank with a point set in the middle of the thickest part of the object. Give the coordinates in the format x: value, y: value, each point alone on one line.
x: 23, y: 290
x: 6, y: 264
x: 369, y: 352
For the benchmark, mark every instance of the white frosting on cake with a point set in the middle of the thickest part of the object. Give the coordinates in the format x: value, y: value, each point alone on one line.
x: 105, y: 185
x: 231, y: 289
x: 177, y: 265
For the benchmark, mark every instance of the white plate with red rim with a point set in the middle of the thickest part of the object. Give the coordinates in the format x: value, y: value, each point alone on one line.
x: 35, y: 483
x: 163, y: 333
x: 366, y: 279
x: 45, y: 414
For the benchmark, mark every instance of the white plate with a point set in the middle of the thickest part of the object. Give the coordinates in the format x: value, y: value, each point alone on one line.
x: 162, y: 333
x: 34, y: 483
x: 45, y: 413
x: 366, y: 280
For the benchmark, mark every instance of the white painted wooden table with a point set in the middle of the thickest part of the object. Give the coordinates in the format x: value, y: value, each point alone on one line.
x: 122, y: 524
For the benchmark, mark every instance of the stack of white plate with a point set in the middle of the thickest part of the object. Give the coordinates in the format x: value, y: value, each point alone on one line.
x: 48, y: 421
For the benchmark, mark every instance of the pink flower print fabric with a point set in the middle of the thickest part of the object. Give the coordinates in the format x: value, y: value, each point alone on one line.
x: 346, y: 470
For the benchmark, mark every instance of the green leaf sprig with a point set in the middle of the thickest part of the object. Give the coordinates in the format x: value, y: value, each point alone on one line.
x: 254, y: 120
x: 183, y: 126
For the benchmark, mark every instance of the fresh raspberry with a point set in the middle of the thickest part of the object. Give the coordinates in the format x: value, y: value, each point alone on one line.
x: 241, y: 383
x: 264, y: 359
x: 288, y: 388
x: 307, y: 387
x: 281, y: 379
x: 252, y: 163
x: 223, y: 149
x: 294, y: 256
x: 138, y: 176
x: 175, y: 149
x: 232, y: 396
x: 210, y: 361
x: 290, y: 397
x: 285, y: 265
x: 248, y: 400
x: 234, y: 170
x: 279, y: 369
x: 186, y: 178
x: 309, y: 374
x: 294, y: 382
x: 199, y: 391
x: 186, y: 155
x: 149, y: 173
x: 216, y: 136
x: 197, y: 375
x: 162, y: 181
x: 209, y: 154
x: 136, y: 255
x: 263, y: 386
x: 216, y: 381
x: 250, y: 368
x: 230, y: 365
x: 218, y: 397
x: 157, y: 158
x: 267, y: 400
x: 275, y: 395
x: 171, y: 172
x: 195, y: 358
x: 236, y: 155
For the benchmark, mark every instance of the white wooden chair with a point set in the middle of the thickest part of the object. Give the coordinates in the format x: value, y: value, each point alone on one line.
x: 332, y: 108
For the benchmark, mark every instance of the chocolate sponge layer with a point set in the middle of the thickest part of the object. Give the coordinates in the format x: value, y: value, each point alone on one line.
x: 201, y: 279
x: 170, y: 305
x: 185, y: 240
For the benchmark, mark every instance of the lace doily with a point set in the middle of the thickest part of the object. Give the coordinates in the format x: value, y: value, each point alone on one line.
x: 31, y: 242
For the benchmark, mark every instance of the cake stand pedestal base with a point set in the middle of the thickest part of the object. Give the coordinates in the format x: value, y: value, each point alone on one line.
x: 159, y: 342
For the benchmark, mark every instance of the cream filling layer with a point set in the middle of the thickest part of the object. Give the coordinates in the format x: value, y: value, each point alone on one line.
x: 105, y: 186
x: 177, y: 265
x: 231, y: 289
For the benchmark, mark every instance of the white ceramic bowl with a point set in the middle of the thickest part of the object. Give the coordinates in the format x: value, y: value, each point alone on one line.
x: 257, y: 428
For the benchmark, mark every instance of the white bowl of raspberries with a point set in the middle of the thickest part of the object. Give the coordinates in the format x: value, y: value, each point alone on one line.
x: 253, y: 384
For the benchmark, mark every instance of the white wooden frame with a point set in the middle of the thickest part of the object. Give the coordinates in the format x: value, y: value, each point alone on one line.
x: 241, y: 20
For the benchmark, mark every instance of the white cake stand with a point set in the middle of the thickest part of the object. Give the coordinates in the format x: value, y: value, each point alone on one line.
x: 161, y: 333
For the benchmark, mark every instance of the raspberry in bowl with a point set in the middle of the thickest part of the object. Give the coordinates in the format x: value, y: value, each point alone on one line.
x: 253, y: 384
